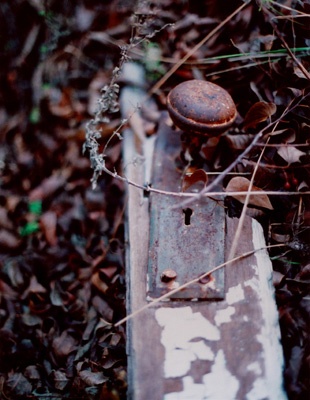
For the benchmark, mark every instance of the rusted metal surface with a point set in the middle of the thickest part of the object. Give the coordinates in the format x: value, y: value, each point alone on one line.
x: 201, y: 107
x: 188, y: 241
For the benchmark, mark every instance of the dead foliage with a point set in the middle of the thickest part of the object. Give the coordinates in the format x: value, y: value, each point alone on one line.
x: 62, y: 243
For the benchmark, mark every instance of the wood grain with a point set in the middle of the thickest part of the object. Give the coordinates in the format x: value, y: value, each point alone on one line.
x: 213, y: 350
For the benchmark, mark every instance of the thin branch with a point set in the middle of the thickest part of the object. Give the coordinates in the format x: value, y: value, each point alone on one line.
x: 244, y: 209
x: 280, y: 36
x: 195, y: 280
x: 159, y: 84
x: 258, y: 136
x: 300, y: 13
x: 187, y: 195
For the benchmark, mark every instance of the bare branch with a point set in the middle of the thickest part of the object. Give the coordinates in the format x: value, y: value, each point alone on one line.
x: 195, y: 280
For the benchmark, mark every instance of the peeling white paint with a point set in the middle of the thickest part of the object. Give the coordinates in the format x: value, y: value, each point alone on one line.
x: 219, y: 384
x: 185, y: 334
x: 181, y: 326
x: 255, y: 367
x: 235, y: 294
x: 191, y: 391
x: 201, y: 350
x: 270, y: 331
x: 224, y: 316
x: 178, y: 362
x: 259, y: 391
x: 253, y: 284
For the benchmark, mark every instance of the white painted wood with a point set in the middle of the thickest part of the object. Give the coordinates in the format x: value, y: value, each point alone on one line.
x: 220, y: 350
x: 202, y: 350
x: 188, y: 335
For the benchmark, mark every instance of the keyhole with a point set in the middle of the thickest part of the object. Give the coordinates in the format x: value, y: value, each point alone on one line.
x: 187, y: 216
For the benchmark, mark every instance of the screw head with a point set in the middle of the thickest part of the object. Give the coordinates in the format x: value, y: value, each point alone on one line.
x: 205, y: 280
x: 168, y: 275
x: 201, y: 107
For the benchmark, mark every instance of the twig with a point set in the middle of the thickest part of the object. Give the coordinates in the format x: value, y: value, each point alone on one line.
x: 185, y: 285
x: 159, y: 84
x: 301, y: 14
x: 258, y: 136
x: 150, y: 189
x: 244, y: 209
x: 280, y: 36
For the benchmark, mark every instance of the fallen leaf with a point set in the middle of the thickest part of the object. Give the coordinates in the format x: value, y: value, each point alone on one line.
x: 35, y: 286
x: 286, y: 94
x: 7, y: 292
x: 14, y: 273
x: 287, y: 135
x: 64, y: 344
x: 290, y: 154
x: 18, y: 385
x: 209, y: 148
x: 258, y: 113
x: 48, y: 222
x: 304, y: 273
x: 238, y: 142
x: 303, y: 186
x: 8, y: 241
x: 60, y: 380
x: 98, y: 283
x: 32, y: 372
x: 299, y: 73
x: 190, y: 179
x: 93, y: 378
x: 55, y: 294
x: 60, y: 102
x: 103, y: 308
x: 5, y: 221
x: 241, y: 184
x: 50, y: 185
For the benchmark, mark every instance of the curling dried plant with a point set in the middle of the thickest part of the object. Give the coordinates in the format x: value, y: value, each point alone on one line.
x: 108, y: 102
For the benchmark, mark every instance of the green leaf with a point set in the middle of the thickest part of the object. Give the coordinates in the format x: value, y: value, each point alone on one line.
x: 29, y: 228
x: 34, y: 116
x: 35, y: 207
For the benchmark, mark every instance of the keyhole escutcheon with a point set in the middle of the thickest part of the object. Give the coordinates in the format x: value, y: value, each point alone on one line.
x: 187, y: 215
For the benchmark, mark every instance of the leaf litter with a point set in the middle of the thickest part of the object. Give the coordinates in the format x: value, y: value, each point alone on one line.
x: 62, y: 244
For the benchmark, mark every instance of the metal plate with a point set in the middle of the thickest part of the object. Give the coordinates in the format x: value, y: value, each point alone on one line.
x: 187, y: 241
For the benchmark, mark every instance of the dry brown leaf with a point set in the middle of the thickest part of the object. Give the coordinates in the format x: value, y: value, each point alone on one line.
x: 60, y: 103
x: 258, y: 113
x: 35, y: 286
x: 7, y: 292
x: 303, y: 186
x: 64, y: 344
x: 18, y: 384
x: 287, y: 135
x: 98, y: 283
x: 8, y: 241
x: 238, y: 142
x: 50, y: 185
x: 198, y: 176
x: 209, y: 148
x: 241, y: 184
x: 93, y: 378
x: 5, y: 221
x: 48, y: 223
x: 290, y: 154
x: 60, y: 379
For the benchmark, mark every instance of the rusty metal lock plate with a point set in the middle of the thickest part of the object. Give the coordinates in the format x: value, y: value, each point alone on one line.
x: 185, y: 242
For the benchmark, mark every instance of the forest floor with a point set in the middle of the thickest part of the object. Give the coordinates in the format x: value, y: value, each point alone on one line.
x: 62, y: 270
